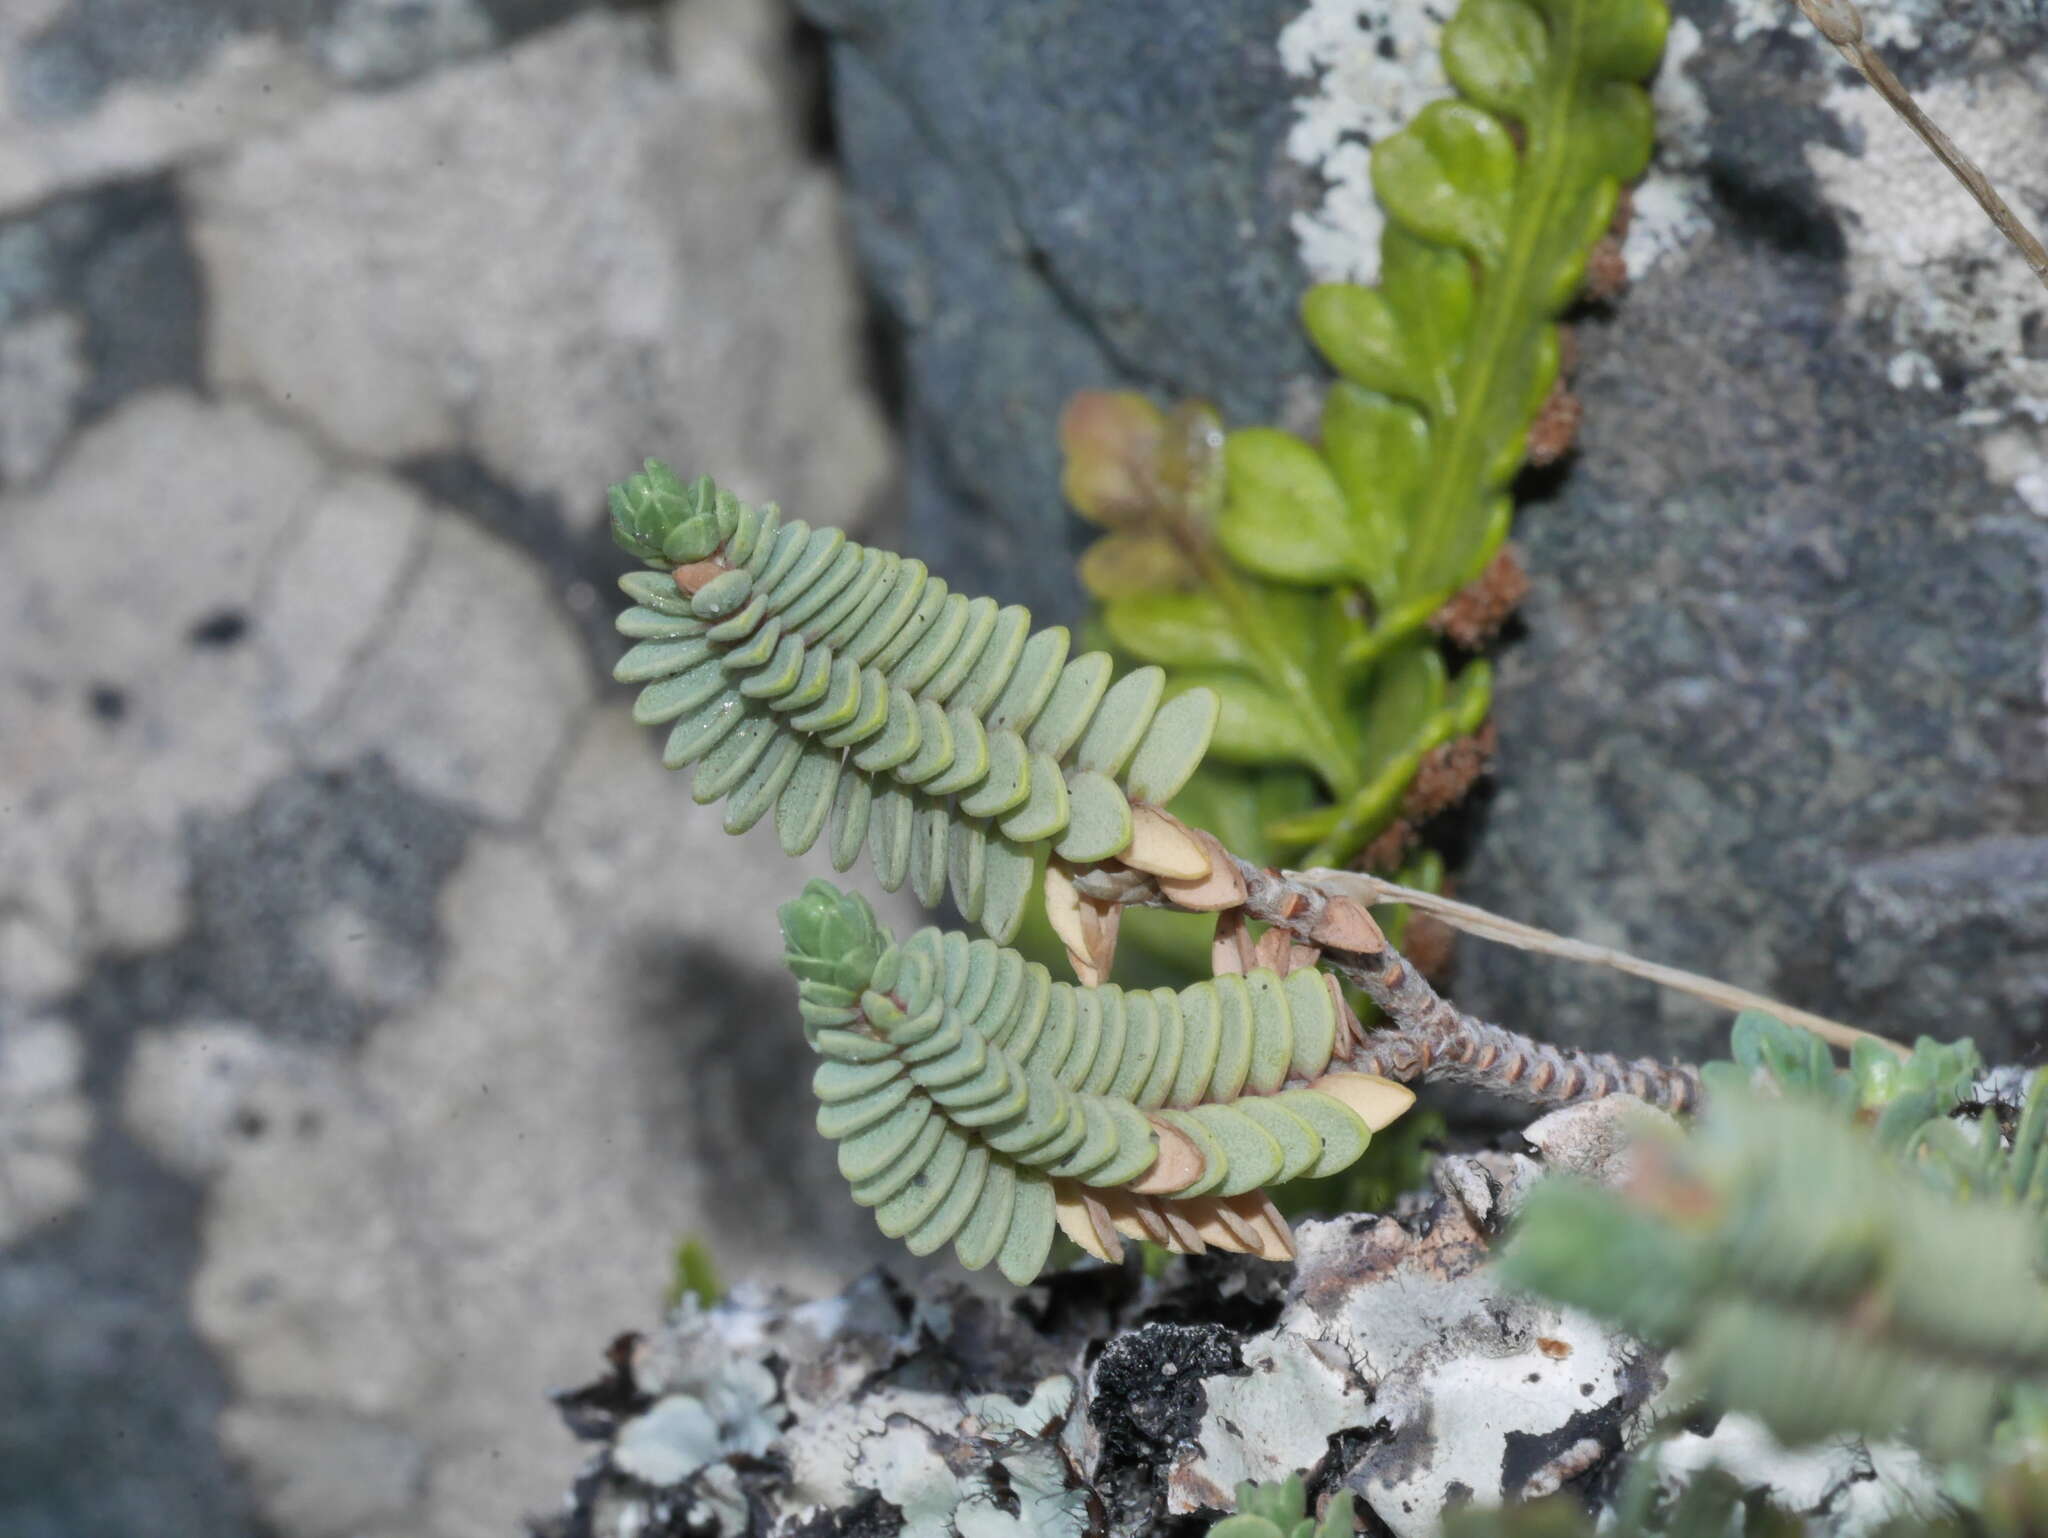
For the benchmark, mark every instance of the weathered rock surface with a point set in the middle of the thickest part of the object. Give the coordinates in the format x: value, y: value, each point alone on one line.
x: 1048, y: 198
x: 374, y: 1011
x: 1386, y: 1361
x: 1390, y: 1360
x: 1787, y: 625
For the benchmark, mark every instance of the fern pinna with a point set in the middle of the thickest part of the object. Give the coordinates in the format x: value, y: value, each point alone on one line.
x: 831, y: 683
x: 978, y: 1102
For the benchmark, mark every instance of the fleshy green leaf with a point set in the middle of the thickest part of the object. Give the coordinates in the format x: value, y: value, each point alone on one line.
x: 1253, y: 727
x: 1176, y: 629
x: 1284, y: 515
x: 1450, y: 177
x: 1496, y: 51
x: 1357, y: 329
x: 1124, y: 565
x: 1379, y: 451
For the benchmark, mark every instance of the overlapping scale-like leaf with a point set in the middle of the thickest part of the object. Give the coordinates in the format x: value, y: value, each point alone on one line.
x: 837, y: 687
x: 961, y: 1082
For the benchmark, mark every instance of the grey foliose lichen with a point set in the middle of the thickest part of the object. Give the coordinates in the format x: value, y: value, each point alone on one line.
x: 1390, y: 1361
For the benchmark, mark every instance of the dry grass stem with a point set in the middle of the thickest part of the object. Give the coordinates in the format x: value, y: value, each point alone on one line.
x: 1491, y: 926
x: 1841, y: 23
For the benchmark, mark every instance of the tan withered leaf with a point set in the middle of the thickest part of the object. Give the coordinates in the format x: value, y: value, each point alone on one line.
x: 1153, y: 479
x: 1230, y: 953
x: 1179, y: 1165
x: 1221, y: 887
x: 1083, y: 1219
x: 1162, y: 845
x: 1377, y: 1102
x: 1281, y: 952
x: 1346, y: 926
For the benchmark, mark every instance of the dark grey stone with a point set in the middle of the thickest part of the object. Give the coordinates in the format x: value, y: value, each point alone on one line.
x: 1783, y: 643
x: 1956, y: 934
x: 352, y: 837
x: 1056, y: 197
x: 97, y: 1343
x: 1780, y: 633
x: 95, y: 45
x: 111, y: 1396
x: 727, y: 1102
x: 579, y: 555
x: 120, y: 259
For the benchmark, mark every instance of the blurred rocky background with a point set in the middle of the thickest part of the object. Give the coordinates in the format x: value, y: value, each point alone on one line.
x: 375, y: 1016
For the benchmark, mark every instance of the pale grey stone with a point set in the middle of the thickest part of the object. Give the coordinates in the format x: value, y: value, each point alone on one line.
x: 472, y: 687
x: 123, y: 717
x: 322, y: 1473
x: 335, y: 589
x: 42, y: 375
x: 512, y: 256
x: 44, y: 1123
x: 192, y: 1092
x: 377, y: 42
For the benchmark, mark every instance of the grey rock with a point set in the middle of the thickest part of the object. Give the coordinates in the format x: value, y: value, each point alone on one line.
x: 91, y: 47
x: 1957, y: 934
x: 1052, y: 198
x: 1787, y: 616
x: 1387, y: 1361
x: 99, y: 301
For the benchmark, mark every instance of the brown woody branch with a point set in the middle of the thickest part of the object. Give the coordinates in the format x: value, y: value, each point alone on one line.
x: 1428, y: 1037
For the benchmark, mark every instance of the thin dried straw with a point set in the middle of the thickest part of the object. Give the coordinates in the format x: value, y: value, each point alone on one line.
x: 1372, y: 891
x: 1841, y: 23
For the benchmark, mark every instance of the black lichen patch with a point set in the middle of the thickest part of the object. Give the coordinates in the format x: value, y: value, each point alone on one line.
x: 595, y: 1412
x: 219, y: 630
x: 107, y: 703
x: 869, y: 1517
x: 1148, y: 1402
x: 1591, y: 1475
x: 1528, y: 1452
x: 353, y: 845
x: 1148, y: 1397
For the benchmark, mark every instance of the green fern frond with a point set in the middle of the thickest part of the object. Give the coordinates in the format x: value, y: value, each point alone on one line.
x: 1245, y: 562
x: 807, y: 675
x: 964, y: 1087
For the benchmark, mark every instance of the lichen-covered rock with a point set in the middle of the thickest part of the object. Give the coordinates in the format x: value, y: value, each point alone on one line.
x: 1388, y: 1362
x: 1786, y: 621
